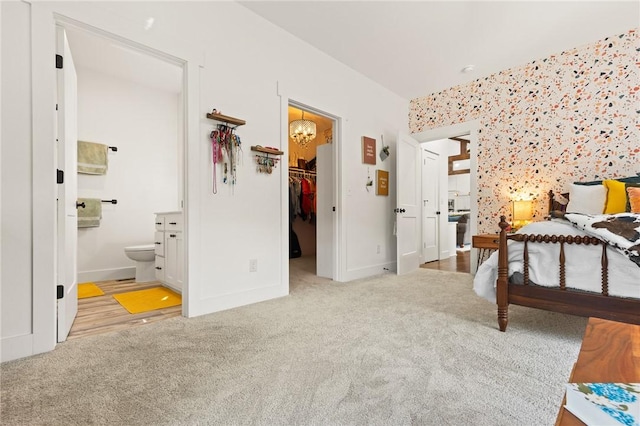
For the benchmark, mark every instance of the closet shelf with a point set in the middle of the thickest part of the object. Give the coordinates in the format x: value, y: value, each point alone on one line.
x: 273, y: 151
x: 226, y: 119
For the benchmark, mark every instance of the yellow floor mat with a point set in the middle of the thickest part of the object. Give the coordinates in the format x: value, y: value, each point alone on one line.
x: 148, y: 300
x: 86, y: 290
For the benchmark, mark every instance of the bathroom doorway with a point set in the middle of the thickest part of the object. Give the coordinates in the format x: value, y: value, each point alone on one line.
x: 311, y: 177
x: 132, y: 101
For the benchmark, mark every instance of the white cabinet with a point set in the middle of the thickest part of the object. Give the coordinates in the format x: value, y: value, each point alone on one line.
x: 169, y: 250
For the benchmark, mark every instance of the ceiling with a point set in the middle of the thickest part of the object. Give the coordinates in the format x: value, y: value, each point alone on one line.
x: 112, y: 58
x: 415, y: 48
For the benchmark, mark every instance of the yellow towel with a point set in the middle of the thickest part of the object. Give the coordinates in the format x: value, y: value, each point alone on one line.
x: 90, y: 215
x: 92, y: 158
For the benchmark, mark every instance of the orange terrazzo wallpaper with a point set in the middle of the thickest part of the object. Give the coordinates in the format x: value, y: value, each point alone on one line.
x: 569, y: 117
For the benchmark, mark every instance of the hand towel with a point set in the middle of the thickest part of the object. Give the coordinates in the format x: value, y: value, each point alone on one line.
x: 92, y: 158
x: 90, y: 215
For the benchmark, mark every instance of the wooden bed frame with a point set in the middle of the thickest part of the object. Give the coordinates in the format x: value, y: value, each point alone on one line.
x: 561, y: 299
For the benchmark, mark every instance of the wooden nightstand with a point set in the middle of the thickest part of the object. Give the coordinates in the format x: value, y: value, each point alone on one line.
x: 487, y: 243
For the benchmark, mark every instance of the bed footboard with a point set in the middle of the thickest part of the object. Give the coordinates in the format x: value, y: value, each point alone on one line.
x: 560, y: 299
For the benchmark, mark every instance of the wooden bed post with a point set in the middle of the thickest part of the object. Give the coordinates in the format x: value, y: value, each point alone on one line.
x: 502, y: 285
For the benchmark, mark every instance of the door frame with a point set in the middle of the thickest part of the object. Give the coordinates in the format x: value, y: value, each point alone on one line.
x: 472, y: 128
x: 44, y: 18
x: 339, y: 234
x: 333, y: 176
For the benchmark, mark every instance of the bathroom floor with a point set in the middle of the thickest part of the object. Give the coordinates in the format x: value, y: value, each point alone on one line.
x: 103, y: 313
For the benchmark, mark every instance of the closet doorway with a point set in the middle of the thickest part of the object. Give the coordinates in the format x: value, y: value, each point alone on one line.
x: 311, y: 194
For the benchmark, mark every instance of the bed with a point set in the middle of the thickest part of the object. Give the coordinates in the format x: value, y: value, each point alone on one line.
x: 561, y: 266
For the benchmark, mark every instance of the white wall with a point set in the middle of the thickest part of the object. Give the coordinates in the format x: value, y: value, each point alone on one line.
x: 16, y: 235
x: 142, y: 122
x: 227, y: 229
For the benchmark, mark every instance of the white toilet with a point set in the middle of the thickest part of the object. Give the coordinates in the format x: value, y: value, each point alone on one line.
x: 145, y: 257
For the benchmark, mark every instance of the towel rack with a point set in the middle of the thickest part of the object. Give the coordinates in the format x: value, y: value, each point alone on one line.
x: 114, y: 149
x: 110, y: 201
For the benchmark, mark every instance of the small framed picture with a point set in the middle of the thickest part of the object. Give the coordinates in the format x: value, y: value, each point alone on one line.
x: 382, y: 178
x: 368, y: 150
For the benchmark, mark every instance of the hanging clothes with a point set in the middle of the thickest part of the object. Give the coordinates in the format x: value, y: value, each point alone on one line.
x: 296, y: 190
x: 307, y: 198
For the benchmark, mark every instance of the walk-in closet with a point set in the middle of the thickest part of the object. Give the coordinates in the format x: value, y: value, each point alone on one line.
x: 310, y: 142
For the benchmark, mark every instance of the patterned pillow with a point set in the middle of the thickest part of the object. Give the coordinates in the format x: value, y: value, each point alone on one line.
x: 634, y: 199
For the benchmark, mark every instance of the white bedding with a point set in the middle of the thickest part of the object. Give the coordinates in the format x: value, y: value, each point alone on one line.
x: 582, y: 264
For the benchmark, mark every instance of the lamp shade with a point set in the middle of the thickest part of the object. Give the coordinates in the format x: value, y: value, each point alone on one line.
x: 522, y: 210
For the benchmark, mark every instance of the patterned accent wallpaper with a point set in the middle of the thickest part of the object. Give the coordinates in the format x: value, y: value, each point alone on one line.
x: 569, y: 117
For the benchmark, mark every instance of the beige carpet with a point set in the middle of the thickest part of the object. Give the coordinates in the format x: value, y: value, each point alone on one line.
x: 418, y: 349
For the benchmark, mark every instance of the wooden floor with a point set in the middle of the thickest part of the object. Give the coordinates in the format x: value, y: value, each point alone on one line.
x: 101, y: 314
x: 458, y: 263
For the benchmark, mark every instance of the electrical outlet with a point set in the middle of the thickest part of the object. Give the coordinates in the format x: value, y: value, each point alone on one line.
x: 253, y: 265
x: 378, y: 249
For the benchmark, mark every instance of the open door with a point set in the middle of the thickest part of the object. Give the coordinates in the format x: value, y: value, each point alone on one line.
x: 430, y: 207
x: 408, y: 204
x: 67, y: 221
x: 324, y: 211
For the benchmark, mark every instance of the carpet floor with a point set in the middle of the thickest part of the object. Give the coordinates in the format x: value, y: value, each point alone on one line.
x: 419, y: 349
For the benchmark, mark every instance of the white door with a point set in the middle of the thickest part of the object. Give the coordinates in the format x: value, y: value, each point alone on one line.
x: 67, y: 221
x: 430, y: 207
x: 324, y: 211
x: 408, y: 203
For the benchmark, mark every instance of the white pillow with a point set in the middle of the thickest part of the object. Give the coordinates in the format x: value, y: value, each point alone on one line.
x: 587, y: 199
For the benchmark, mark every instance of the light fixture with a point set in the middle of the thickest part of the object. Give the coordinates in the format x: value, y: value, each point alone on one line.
x: 468, y: 69
x: 521, y: 213
x: 302, y: 131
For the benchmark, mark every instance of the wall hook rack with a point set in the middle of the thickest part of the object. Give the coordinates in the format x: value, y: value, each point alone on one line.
x: 266, y: 163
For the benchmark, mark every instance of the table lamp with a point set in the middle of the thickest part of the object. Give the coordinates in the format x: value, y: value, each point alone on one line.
x: 522, y: 213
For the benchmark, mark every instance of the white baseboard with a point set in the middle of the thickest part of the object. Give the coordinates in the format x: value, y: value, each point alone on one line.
x: 16, y: 347
x: 369, y: 271
x: 107, y: 274
x: 235, y: 300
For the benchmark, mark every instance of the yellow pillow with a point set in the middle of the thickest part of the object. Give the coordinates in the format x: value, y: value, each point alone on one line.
x: 634, y: 199
x: 616, y: 197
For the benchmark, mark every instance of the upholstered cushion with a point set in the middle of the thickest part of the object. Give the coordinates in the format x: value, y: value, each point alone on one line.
x: 634, y: 198
x: 616, y: 197
x: 587, y: 199
x: 630, y: 185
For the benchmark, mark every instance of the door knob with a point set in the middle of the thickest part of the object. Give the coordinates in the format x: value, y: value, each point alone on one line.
x: 402, y: 210
x: 78, y: 205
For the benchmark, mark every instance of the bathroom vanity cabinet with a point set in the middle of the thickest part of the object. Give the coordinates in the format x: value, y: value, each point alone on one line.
x: 170, y: 249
